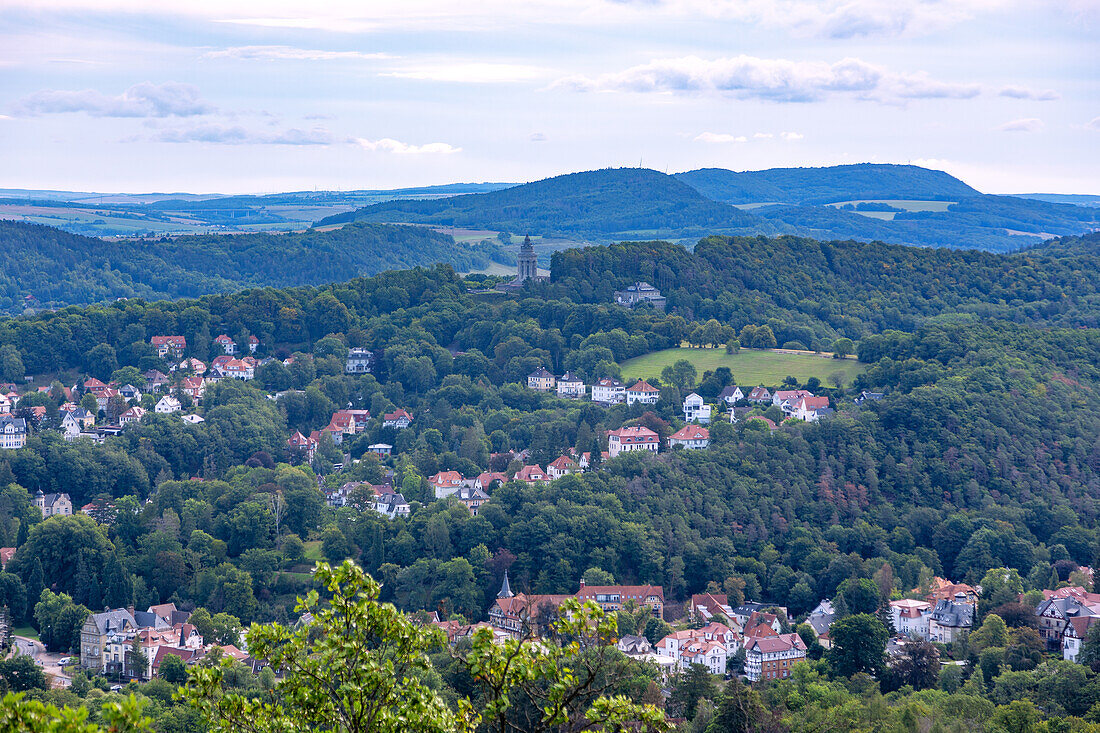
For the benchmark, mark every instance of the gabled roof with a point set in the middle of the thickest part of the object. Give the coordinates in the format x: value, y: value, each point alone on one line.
x: 642, y: 386
x: 530, y: 473
x: 608, y: 382
x: 625, y: 592
x: 776, y: 644
x: 540, y: 373
x: 564, y: 463
x: 446, y: 478
x: 691, y: 432
x: 396, y: 415
x: 570, y: 377
x: 634, y: 434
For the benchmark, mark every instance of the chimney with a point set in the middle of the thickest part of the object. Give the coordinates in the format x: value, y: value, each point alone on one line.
x: 130, y: 608
x: 582, y: 582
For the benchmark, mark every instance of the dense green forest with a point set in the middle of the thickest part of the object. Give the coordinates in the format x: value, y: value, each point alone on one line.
x: 984, y: 454
x: 43, y: 266
x: 827, y: 185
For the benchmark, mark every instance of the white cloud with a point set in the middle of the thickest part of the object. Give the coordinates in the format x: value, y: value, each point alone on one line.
x: 1037, y: 95
x: 537, y: 137
x: 792, y: 136
x: 776, y: 80
x: 468, y: 72
x: 1094, y: 123
x: 171, y: 99
x: 237, y: 135
x: 4, y: 117
x: 719, y: 137
x: 389, y: 145
x: 1026, y: 124
x: 763, y: 135
x: 290, y: 53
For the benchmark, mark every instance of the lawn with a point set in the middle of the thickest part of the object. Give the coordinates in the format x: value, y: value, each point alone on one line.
x: 750, y: 367
x: 26, y: 632
x: 313, y: 551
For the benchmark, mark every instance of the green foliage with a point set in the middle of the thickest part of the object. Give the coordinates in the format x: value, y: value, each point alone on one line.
x: 858, y: 645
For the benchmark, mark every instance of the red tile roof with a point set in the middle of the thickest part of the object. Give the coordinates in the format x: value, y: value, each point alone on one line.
x: 691, y: 432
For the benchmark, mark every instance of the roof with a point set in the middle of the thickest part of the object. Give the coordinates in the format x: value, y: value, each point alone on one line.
x: 642, y: 386
x: 489, y: 477
x: 625, y: 592
x: 634, y: 434
x: 775, y: 644
x: 759, y: 393
x: 530, y: 473
x: 691, y: 432
x: 951, y: 614
x: 728, y: 391
x: 771, y: 425
x: 563, y: 463
x: 791, y: 394
x: 570, y: 377
x: 540, y: 373
x: 608, y: 382
x: 397, y: 415
x: 813, y: 403
x: 109, y: 621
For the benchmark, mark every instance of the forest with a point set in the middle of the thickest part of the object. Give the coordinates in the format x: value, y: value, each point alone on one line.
x: 980, y: 464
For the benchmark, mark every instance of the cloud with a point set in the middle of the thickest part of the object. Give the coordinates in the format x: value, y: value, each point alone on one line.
x: 776, y: 80
x: 4, y: 117
x: 537, y: 137
x: 469, y: 72
x: 763, y: 135
x: 389, y: 145
x: 237, y: 135
x: 171, y: 99
x: 1094, y: 123
x: 792, y: 136
x: 1026, y: 124
x: 289, y: 53
x: 719, y: 137
x: 1038, y: 95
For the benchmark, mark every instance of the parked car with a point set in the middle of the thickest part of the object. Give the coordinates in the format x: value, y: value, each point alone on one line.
x: 65, y: 661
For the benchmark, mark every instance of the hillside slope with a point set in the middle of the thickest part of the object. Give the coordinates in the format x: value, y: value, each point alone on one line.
x: 600, y: 202
x: 827, y: 185
x: 45, y: 267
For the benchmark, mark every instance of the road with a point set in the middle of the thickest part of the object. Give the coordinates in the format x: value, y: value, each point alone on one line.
x: 47, y: 661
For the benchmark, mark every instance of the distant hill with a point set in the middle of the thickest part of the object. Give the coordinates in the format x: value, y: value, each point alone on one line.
x: 827, y: 185
x: 601, y: 202
x: 1062, y: 198
x: 57, y: 268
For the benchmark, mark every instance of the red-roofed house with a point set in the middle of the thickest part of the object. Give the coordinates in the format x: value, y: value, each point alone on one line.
x: 6, y: 554
x: 810, y: 408
x: 762, y: 624
x: 227, y: 344
x: 187, y: 656
x: 169, y: 345
x: 1073, y: 638
x: 193, y: 387
x: 253, y: 344
x: 760, y: 395
x: 238, y: 369
x: 562, y: 466
x: 518, y: 615
x: 301, y: 443
x: 615, y: 597
x: 485, y: 480
x: 531, y: 475
x: 399, y: 419
x: 446, y: 483
x: 631, y: 438
x: 642, y: 392
x: 690, y: 436
x: 771, y: 657
x: 705, y: 606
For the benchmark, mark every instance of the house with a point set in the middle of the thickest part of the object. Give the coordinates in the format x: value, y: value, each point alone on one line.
x: 167, y: 405
x: 562, y: 466
x: 94, y: 386
x: 690, y: 647
x: 5, y: 404
x: 192, y: 419
x: 810, y: 409
x: 746, y: 611
x: 351, y: 422
x: 227, y: 344
x: 771, y: 657
x: 193, y: 387
x: 642, y: 392
x: 1076, y: 632
x: 445, y: 483
x: 154, y: 380
x: 946, y: 590
x: 6, y: 554
x: 571, y: 386
x: 705, y: 606
x: 541, y: 380
x: 82, y: 417
x: 608, y: 391
x: 253, y: 344
x: 696, y: 409
x: 519, y: 615
x: 820, y: 620
x: 53, y: 504
x: 13, y: 432
x: 691, y: 437
x: 1056, y: 612
x: 239, y: 369
x: 785, y: 398
x: 616, y: 597
x: 641, y: 292
x: 531, y: 475
x: 731, y: 395
x: 487, y: 479
x: 392, y: 505
x: 472, y: 498
x: 359, y: 361
x: 380, y: 449
x: 300, y: 443
x: 866, y: 396
x: 193, y: 365
x: 129, y: 392
x: 96, y: 632
x: 951, y: 619
x: 760, y: 623
x: 173, y: 346
x: 760, y: 396
x: 631, y: 439
x: 217, y: 367
x: 133, y: 415
x: 103, y: 512
x: 398, y: 420
x: 911, y: 617
x: 187, y: 656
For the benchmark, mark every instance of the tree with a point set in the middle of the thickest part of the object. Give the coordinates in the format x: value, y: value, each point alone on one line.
x: 992, y: 633
x: 682, y: 374
x: 741, y: 711
x: 172, y: 669
x: 1090, y: 650
x: 11, y: 364
x: 138, y: 659
x: 858, y: 645
x: 861, y: 595
x: 763, y: 338
x: 694, y: 684
x: 20, y: 673
x: 843, y: 347
x: 918, y: 666
x: 59, y: 621
x: 733, y: 346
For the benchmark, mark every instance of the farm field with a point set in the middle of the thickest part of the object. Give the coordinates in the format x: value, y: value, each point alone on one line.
x: 750, y: 366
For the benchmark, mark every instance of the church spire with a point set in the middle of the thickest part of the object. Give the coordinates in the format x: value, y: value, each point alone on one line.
x: 505, y: 589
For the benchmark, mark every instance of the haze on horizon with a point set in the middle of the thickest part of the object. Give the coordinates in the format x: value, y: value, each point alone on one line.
x: 239, y: 96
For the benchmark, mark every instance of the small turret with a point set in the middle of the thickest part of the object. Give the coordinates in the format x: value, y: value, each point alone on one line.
x: 505, y: 588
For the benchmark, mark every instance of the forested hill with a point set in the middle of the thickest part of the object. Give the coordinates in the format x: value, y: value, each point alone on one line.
x: 593, y: 202
x: 827, y: 185
x: 44, y: 267
x: 813, y: 290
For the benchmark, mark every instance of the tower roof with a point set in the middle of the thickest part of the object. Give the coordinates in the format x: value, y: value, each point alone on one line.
x: 505, y: 588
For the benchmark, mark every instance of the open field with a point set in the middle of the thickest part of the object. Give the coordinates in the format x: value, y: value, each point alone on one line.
x: 750, y: 366
x: 907, y: 204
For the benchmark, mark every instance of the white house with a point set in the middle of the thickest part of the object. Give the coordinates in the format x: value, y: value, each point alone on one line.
x: 13, y: 432
x: 949, y: 620
x: 696, y: 409
x: 227, y: 344
x: 632, y: 438
x: 608, y: 391
x: 642, y: 392
x: 359, y: 361
x: 167, y: 404
x: 133, y: 415
x: 691, y: 437
x: 811, y: 409
x: 571, y: 386
x: 911, y: 617
x: 771, y: 657
x: 731, y: 395
x: 398, y: 419
x: 1073, y: 638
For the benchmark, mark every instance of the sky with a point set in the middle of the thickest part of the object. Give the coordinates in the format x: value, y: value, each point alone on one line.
x: 236, y: 96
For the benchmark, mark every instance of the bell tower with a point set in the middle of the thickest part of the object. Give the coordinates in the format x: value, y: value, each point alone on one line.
x: 527, y: 263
